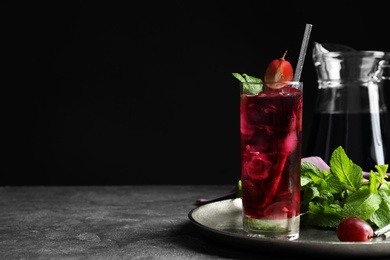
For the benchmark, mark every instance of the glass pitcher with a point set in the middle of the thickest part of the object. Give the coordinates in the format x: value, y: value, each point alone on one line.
x: 350, y: 108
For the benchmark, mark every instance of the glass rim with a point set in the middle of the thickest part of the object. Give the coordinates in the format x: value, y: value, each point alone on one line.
x: 290, y: 82
x: 365, y: 53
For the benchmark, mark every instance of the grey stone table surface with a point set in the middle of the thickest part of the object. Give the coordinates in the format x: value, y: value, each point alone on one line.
x: 109, y: 222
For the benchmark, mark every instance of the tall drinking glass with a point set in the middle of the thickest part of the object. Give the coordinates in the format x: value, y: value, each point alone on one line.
x: 271, y: 129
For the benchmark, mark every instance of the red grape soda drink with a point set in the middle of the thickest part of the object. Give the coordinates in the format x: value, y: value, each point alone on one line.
x: 271, y: 129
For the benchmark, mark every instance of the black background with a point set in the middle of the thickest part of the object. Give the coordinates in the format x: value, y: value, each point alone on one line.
x: 104, y: 93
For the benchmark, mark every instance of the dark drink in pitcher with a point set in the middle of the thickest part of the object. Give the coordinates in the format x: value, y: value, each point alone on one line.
x: 364, y: 137
x: 354, y: 116
x: 271, y: 128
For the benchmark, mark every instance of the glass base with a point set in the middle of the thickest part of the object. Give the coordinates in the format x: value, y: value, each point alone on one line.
x: 287, y: 229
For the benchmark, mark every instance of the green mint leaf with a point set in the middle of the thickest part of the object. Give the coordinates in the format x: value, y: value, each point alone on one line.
x: 309, y: 195
x: 322, y: 215
x: 382, y: 170
x: 381, y: 175
x: 254, y: 224
x: 251, y: 89
x: 312, y: 175
x: 381, y: 216
x: 239, y: 77
x: 362, y: 203
x: 346, y: 171
x: 305, y: 181
x: 335, y: 186
x: 251, y: 78
x: 373, y: 183
x: 311, y: 171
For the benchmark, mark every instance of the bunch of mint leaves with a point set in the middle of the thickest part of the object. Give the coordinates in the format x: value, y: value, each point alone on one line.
x: 329, y: 196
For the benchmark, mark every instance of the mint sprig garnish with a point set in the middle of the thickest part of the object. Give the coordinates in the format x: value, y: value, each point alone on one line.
x: 329, y: 196
x: 252, y: 89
